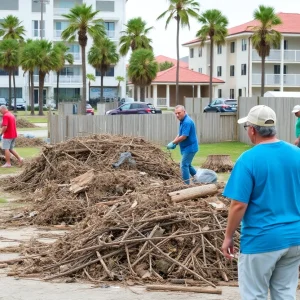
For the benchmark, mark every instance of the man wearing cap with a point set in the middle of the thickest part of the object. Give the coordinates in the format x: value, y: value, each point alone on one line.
x: 264, y: 186
x: 296, y: 111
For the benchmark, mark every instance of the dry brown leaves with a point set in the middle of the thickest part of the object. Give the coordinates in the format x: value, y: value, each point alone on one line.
x: 22, y: 123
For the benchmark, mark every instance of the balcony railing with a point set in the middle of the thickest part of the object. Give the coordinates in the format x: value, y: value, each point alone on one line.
x: 274, y: 79
x: 36, y: 79
x: 70, y: 79
x: 275, y: 55
x: 61, y: 11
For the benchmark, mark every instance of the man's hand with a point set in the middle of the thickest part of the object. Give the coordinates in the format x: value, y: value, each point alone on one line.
x: 171, y: 146
x: 227, y: 248
x: 297, y: 141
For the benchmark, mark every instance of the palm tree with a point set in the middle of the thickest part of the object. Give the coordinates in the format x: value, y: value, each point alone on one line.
x: 64, y: 57
x: 90, y: 77
x: 83, y: 22
x: 101, y: 56
x: 29, y: 53
x: 135, y: 37
x: 214, y: 27
x: 9, y: 61
x: 181, y: 11
x: 11, y: 28
x: 265, y: 36
x: 119, y: 79
x: 142, y: 69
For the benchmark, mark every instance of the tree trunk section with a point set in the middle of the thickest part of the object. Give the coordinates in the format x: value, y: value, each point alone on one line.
x: 193, y: 192
x: 101, y: 86
x: 41, y: 89
x: 263, y: 59
x: 135, y: 93
x: 177, y: 66
x: 211, y: 67
x: 57, y: 89
x: 15, y: 92
x: 218, y: 163
x: 9, y: 89
x: 142, y: 94
x: 31, y: 87
x: 83, y: 99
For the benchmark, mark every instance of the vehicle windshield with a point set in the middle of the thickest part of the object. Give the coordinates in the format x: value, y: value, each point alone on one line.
x: 231, y: 102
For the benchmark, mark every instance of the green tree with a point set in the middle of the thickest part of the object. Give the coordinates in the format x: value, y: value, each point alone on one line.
x: 119, y: 79
x: 90, y: 77
x: 214, y: 28
x: 29, y: 53
x: 265, y: 36
x: 181, y: 11
x: 64, y: 57
x: 142, y: 69
x: 101, y: 56
x: 11, y: 28
x: 9, y: 61
x: 165, y: 65
x: 83, y: 22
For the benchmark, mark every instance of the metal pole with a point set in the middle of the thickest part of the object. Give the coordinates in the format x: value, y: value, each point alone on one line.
x: 42, y: 19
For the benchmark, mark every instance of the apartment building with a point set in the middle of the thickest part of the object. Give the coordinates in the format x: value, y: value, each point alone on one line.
x: 29, y: 12
x: 239, y: 65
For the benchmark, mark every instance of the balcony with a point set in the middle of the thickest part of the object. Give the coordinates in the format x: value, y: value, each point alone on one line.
x: 70, y: 79
x: 36, y: 79
x: 274, y: 79
x: 275, y: 55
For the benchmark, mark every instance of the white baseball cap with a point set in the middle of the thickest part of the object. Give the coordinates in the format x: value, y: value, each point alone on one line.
x: 296, y: 108
x: 260, y: 115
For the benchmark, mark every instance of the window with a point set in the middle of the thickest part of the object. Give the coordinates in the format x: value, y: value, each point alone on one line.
x: 219, y: 93
x: 219, y: 71
x: 5, y: 73
x: 232, y: 70
x: 285, y: 47
x: 200, y: 70
x: 109, y: 73
x: 191, y: 52
x: 105, y: 6
x: 219, y: 49
x: 110, y: 29
x: 244, y: 44
x: 244, y: 69
x: 10, y: 5
x: 70, y: 71
x: 4, y: 92
x: 231, y: 94
x: 200, y: 52
x: 36, y: 28
x: 232, y: 47
x: 240, y: 92
x: 276, y: 69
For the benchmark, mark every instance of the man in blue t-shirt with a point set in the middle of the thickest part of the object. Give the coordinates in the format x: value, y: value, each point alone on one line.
x: 188, y: 143
x: 264, y: 186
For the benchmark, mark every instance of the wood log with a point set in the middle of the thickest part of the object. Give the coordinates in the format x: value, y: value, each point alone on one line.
x: 176, y: 288
x: 80, y: 183
x: 193, y: 192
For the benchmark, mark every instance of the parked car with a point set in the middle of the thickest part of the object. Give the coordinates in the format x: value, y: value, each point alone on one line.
x: 20, y: 103
x: 222, y: 105
x: 3, y: 101
x: 134, y: 108
x: 89, y: 109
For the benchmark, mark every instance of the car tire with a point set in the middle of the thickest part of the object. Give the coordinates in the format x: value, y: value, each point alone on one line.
x: 204, y: 111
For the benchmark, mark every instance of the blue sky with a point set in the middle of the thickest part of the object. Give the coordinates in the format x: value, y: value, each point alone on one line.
x: 164, y: 41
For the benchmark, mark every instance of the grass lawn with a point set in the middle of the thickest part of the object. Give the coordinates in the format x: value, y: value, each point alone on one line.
x: 32, y: 119
x: 23, y: 152
x: 234, y: 149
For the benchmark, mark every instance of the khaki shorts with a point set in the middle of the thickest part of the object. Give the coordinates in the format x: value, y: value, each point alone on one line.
x: 8, y: 144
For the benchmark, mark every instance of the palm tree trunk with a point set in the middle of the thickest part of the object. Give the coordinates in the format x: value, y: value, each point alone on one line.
x: 31, y: 87
x: 57, y: 89
x: 135, y: 92
x: 15, y: 92
x: 101, y: 85
x: 41, y: 89
x: 142, y: 93
x: 83, y: 99
x: 262, y: 91
x: 9, y: 89
x: 177, y: 66
x: 211, y: 68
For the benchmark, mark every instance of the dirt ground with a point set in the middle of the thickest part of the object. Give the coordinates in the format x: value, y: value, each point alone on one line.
x: 14, y: 288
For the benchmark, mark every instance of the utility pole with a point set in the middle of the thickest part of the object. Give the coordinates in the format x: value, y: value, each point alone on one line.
x: 42, y: 10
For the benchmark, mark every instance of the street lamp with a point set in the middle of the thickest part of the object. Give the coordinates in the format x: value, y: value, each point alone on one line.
x: 42, y: 9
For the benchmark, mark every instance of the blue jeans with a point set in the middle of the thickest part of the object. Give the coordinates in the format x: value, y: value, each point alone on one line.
x: 186, y: 166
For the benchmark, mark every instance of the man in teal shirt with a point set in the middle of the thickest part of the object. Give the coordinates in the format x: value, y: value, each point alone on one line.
x: 296, y: 111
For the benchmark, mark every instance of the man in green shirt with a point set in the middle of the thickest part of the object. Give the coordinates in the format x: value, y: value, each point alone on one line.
x: 296, y: 111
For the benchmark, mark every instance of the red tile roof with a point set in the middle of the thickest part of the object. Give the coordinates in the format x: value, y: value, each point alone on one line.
x: 185, y: 76
x: 290, y: 24
x: 162, y: 58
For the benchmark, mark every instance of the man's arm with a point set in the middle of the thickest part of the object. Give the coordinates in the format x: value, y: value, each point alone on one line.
x: 236, y: 212
x: 3, y: 129
x: 179, y: 139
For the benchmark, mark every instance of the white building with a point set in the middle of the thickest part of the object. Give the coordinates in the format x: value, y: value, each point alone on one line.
x: 29, y: 12
x: 240, y: 66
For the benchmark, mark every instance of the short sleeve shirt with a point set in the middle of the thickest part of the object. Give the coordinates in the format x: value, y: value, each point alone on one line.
x: 187, y: 128
x: 297, y: 128
x: 9, y: 120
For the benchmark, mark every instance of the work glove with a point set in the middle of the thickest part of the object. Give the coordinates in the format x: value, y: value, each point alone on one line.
x: 171, y: 146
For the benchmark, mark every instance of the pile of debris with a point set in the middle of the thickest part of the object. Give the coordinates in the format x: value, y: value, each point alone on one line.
x: 23, y: 123
x: 22, y: 142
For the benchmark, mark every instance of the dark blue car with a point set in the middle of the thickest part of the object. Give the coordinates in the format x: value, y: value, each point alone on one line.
x: 222, y: 105
x: 129, y: 108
